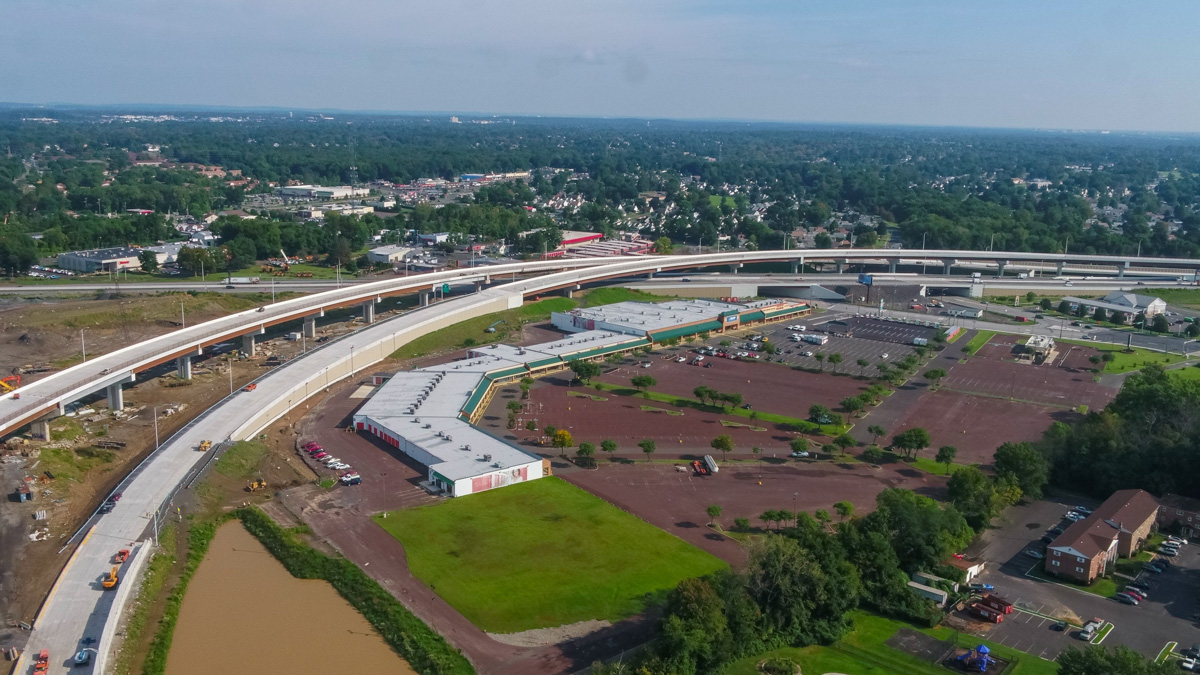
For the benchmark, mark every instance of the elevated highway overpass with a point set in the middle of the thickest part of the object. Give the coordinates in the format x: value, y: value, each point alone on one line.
x: 77, y: 608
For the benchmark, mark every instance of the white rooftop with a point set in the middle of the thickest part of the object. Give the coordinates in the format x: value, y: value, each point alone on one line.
x: 645, y: 316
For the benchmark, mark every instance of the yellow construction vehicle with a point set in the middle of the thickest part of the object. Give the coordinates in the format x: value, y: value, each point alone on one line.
x: 10, y: 383
x: 258, y: 484
x: 204, y: 446
x: 111, y: 580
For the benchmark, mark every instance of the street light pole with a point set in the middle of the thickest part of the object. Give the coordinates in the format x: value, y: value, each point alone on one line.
x: 156, y: 443
x: 182, y: 316
x: 230, y: 357
x: 83, y: 345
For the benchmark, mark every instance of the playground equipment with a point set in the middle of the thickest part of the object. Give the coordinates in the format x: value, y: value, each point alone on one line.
x: 976, y: 660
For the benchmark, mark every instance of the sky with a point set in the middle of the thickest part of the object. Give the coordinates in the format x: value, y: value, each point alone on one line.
x: 1065, y: 64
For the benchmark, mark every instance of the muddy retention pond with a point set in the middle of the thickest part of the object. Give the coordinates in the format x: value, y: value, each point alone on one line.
x: 245, y: 613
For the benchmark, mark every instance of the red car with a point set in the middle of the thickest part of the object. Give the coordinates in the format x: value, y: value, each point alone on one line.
x: 312, y: 445
x: 116, y: 497
x: 321, y: 455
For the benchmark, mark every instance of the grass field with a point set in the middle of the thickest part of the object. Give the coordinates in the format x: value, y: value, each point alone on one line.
x: 456, y: 336
x: 613, y: 294
x: 1179, y: 297
x: 542, y: 553
x: 73, y: 464
x: 864, y: 652
x: 926, y: 464
x: 1190, y: 373
x: 1124, y: 362
x: 240, y: 460
x: 981, y: 338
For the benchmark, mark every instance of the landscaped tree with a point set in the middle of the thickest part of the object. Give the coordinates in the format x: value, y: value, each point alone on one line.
x: 1100, y: 315
x: 1025, y: 465
x: 876, y: 431
x: 663, y: 246
x: 1030, y: 296
x: 722, y: 444
x: 873, y: 454
x: 149, y: 261
x: 834, y: 360
x: 714, y: 512
x: 642, y: 382
x: 584, y: 456
x: 1094, y: 359
x: 911, y: 442
x: 822, y: 517
x: 933, y: 375
x: 820, y: 361
x: 702, y: 393
x: 971, y: 492
x: 1080, y: 310
x: 799, y: 445
x: 1064, y: 307
x: 862, y: 366
x: 945, y: 455
x: 531, y: 425
x: 741, y: 524
x: 514, y: 406
x: 1120, y: 660
x: 526, y: 383
x: 1045, y: 304
x: 852, y: 405
x: 819, y: 414
x: 562, y: 439
x: 608, y: 446
x: 734, y: 400
x: 1159, y: 324
x: 647, y: 445
x: 1118, y: 317
x: 549, y: 430
x: 884, y: 370
x: 1192, y: 330
x: 767, y: 517
x: 844, y: 442
x: 844, y: 509
x: 584, y: 370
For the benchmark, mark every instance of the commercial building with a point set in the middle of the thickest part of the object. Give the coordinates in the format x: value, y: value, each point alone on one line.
x: 1119, y: 301
x: 321, y: 192
x: 433, y: 238
x: 391, y: 254
x: 100, y: 259
x: 1089, y: 548
x: 676, y: 318
x: 1039, y: 345
x: 428, y: 413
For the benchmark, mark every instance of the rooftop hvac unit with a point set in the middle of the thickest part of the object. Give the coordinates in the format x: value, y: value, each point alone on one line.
x: 496, y: 465
x: 487, y: 458
x: 427, y: 426
x: 410, y: 411
x: 447, y: 437
x: 467, y: 448
x: 417, y: 420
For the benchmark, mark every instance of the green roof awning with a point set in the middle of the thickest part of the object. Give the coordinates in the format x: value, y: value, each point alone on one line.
x: 683, y: 331
x: 507, y: 372
x: 754, y: 315
x: 477, y: 397
x: 542, y: 363
x: 609, y: 349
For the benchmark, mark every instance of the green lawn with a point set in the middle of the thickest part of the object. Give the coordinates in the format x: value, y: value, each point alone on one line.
x: 73, y: 464
x: 1190, y: 373
x: 981, y: 338
x: 759, y: 416
x: 1122, y: 361
x: 542, y: 553
x: 863, y: 652
x: 926, y: 464
x: 472, y: 331
x: 1182, y: 297
x: 1105, y: 587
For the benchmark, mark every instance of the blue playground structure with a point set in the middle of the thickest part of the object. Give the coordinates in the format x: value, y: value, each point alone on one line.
x: 977, y: 660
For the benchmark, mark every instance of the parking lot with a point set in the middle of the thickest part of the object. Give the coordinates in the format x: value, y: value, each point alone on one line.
x: 1169, y: 614
x: 882, y: 330
x: 851, y: 348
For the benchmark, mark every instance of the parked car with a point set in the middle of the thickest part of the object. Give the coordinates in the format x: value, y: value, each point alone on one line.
x: 1034, y: 553
x: 320, y: 455
x: 1059, y: 626
x: 1140, y: 596
x: 1187, y: 664
x: 1084, y: 510
x: 1192, y: 652
x: 1153, y: 569
x: 1056, y: 530
x: 982, y: 587
x: 1177, y: 540
x: 1074, y: 517
x: 1140, y: 585
x: 1047, y: 538
x: 310, y: 445
x: 799, y: 454
x: 1125, y: 599
x: 106, y: 507
x: 808, y: 353
x: 1169, y: 552
x: 115, y: 497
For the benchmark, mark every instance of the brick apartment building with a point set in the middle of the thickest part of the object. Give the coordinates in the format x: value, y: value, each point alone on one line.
x: 1182, y: 511
x: 1089, y: 548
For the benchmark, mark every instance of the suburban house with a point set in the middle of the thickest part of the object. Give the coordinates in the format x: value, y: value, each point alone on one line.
x: 1132, y: 302
x: 1182, y: 511
x: 1089, y: 548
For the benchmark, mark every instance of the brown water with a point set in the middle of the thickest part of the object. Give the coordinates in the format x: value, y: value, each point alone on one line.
x: 244, y: 613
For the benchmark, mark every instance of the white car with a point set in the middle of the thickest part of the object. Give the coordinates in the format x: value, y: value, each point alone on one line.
x: 1074, y: 517
x: 808, y: 353
x: 1177, y: 540
x: 1188, y: 664
x: 884, y: 355
x: 331, y: 460
x: 680, y: 360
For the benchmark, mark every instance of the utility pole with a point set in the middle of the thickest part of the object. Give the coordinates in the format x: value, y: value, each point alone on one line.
x: 156, y: 443
x: 83, y: 345
x: 230, y: 357
x: 182, y: 316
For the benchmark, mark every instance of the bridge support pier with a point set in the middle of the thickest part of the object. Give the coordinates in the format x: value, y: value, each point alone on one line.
x: 840, y: 265
x: 40, y: 429
x: 946, y: 265
x: 1000, y: 265
x: 184, y: 366
x: 368, y: 310
x: 424, y: 295
x: 310, y: 327
x: 1121, y: 267
x: 795, y: 267
x: 649, y: 275
x: 733, y: 269
x: 116, y: 396
x: 1061, y: 266
x: 248, y: 346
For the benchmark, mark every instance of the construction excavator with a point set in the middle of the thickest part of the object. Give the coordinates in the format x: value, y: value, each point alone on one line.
x: 10, y: 383
x: 258, y: 484
x: 111, y: 580
x: 204, y: 446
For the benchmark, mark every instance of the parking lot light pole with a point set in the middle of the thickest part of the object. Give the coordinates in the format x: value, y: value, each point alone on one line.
x: 156, y: 444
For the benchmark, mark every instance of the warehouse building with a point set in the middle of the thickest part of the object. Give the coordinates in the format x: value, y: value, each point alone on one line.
x: 387, y: 255
x: 676, y: 318
x: 100, y: 259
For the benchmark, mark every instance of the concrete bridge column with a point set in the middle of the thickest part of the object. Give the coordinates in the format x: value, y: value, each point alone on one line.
x: 248, y: 344
x: 424, y: 295
x: 947, y: 263
x: 733, y: 269
x: 892, y: 266
x: 368, y: 310
x: 649, y: 275
x: 184, y: 365
x: 310, y: 327
x: 840, y: 264
x: 1121, y: 267
x: 795, y: 267
x: 116, y: 396
x: 40, y: 429
x: 1000, y: 265
x: 1061, y: 266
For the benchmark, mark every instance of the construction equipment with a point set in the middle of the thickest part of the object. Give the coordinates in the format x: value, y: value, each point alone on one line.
x: 111, y: 580
x: 257, y: 484
x: 204, y: 446
x: 121, y: 556
x: 42, y: 663
x: 492, y: 328
x: 10, y: 383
